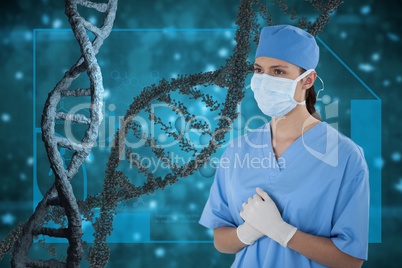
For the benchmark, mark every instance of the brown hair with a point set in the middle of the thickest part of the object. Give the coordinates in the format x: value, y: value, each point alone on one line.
x: 311, y: 98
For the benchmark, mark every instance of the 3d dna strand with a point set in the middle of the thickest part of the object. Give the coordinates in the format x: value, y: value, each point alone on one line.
x: 61, y: 193
x: 116, y: 186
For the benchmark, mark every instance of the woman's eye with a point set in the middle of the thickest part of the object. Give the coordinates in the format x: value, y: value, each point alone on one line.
x: 279, y: 72
x: 257, y: 70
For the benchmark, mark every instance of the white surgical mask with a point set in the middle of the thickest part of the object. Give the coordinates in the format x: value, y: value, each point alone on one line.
x: 274, y: 95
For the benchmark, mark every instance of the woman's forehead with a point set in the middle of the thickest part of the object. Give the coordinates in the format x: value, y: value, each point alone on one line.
x: 273, y: 62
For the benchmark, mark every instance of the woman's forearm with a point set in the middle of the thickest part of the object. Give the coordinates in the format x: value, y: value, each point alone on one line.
x: 322, y: 250
x: 316, y: 248
x: 226, y: 240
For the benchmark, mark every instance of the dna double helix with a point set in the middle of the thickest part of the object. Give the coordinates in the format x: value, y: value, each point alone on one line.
x: 116, y: 187
x: 61, y: 193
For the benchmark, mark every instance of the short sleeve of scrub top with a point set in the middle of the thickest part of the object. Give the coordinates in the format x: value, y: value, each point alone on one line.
x: 216, y: 211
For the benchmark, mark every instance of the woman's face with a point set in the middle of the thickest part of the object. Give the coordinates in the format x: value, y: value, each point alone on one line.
x: 284, y: 69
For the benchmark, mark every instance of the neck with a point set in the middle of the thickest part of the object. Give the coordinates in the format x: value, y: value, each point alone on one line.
x: 291, y: 126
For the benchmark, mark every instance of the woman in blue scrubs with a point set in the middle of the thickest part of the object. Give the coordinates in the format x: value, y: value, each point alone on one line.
x: 294, y: 192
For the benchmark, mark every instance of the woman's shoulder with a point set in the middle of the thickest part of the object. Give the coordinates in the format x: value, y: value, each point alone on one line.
x: 348, y: 149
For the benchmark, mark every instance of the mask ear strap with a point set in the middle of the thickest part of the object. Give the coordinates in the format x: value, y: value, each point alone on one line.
x: 303, y: 75
x: 322, y: 89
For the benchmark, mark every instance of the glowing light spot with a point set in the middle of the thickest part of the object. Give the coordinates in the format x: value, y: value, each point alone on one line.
x: 399, y: 79
x: 90, y: 158
x: 228, y: 34
x: 210, y: 232
x: 375, y: 57
x: 326, y: 99
x: 378, y: 162
x: 366, y: 67
x: 160, y: 252
x: 177, y: 56
x: 365, y: 10
x: 28, y: 35
x: 30, y: 161
x: 5, y: 117
x: 153, y: 204
x: 56, y: 23
x: 8, y: 219
x: 396, y: 157
x: 200, y: 185
x: 386, y: 83
x: 393, y: 37
x: 210, y: 68
x: 398, y: 186
x: 343, y: 35
x: 162, y: 137
x: 223, y: 52
x: 136, y: 236
x: 106, y: 94
x: 19, y: 75
x: 92, y: 20
x: 23, y: 177
x: 45, y: 19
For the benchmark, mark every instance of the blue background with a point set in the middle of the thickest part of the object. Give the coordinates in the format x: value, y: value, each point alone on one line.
x: 360, y: 52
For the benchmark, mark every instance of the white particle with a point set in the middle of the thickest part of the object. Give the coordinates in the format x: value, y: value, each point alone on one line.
x: 378, y: 162
x: 396, y: 156
x: 177, y: 56
x: 92, y: 20
x: 393, y: 37
x: 30, y: 161
x: 152, y: 204
x: 56, y: 23
x: 366, y: 67
x: 210, y: 68
x: 90, y: 158
x: 375, y: 57
x: 28, y: 35
x: 326, y: 99
x: 45, y: 19
x: 160, y: 252
x: 344, y: 35
x: 19, y: 75
x: 398, y: 186
x: 8, y: 219
x: 365, y: 10
x: 223, y: 52
x: 5, y: 117
x: 106, y: 94
x: 23, y: 177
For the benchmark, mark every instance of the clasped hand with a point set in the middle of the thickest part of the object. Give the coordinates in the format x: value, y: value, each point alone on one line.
x: 262, y: 214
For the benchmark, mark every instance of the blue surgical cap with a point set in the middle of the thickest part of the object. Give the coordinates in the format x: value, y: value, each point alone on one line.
x: 289, y: 43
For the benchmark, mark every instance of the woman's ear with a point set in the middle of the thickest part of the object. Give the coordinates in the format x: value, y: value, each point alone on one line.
x: 308, y: 81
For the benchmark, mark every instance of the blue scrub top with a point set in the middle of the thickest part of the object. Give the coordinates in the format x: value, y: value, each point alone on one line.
x: 319, y: 184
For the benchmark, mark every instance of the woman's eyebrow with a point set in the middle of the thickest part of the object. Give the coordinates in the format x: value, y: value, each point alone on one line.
x: 278, y: 66
x: 272, y: 67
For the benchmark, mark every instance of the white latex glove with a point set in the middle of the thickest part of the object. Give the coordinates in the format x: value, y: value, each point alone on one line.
x: 248, y: 234
x: 261, y: 213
